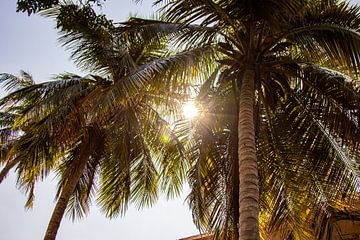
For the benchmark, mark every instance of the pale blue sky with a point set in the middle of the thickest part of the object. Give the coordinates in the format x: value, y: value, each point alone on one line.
x: 30, y: 44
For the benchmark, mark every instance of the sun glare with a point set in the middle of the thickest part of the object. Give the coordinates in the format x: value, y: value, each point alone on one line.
x: 190, y: 110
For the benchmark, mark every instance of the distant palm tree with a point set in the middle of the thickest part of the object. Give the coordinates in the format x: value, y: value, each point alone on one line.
x: 280, y: 130
x: 108, y: 125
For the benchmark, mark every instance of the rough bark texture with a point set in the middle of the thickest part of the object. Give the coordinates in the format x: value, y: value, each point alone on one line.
x: 248, y: 168
x: 235, y: 192
x: 67, y: 190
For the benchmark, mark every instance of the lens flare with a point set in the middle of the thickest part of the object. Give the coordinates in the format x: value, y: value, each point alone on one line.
x: 190, y: 110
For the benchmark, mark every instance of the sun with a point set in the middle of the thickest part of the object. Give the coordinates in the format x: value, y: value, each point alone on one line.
x: 190, y: 110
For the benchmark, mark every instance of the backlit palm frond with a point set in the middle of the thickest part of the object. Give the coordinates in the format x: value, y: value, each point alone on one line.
x: 57, y: 99
x: 21, y: 90
x: 115, y: 182
x: 145, y: 175
x: 343, y: 172
x: 87, y: 35
x: 38, y: 100
x: 145, y: 39
x: 7, y: 160
x: 205, y: 178
x: 13, y: 132
x: 285, y: 196
x: 128, y: 173
x: 229, y: 14
x: 290, y: 153
x: 330, y: 114
x: 45, y: 114
x: 334, y: 99
x: 161, y: 77
x: 35, y: 158
x: 177, y: 35
x: 209, y: 12
x: 12, y: 82
x: 166, y: 149
x: 80, y: 200
x: 213, y: 176
x: 329, y: 34
x: 270, y: 12
x: 7, y: 133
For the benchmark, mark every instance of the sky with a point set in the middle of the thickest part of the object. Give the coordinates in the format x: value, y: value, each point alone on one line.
x: 30, y: 44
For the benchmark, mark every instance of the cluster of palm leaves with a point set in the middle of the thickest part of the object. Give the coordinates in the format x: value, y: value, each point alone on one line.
x: 277, y: 143
x: 34, y: 6
x: 303, y: 60
x: 103, y: 134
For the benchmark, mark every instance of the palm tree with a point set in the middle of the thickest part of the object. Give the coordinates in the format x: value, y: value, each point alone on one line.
x: 280, y: 90
x: 297, y: 185
x: 282, y: 112
x: 105, y: 126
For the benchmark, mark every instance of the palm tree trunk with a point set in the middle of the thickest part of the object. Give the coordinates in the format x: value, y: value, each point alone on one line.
x: 235, y: 196
x: 66, y: 192
x: 248, y: 168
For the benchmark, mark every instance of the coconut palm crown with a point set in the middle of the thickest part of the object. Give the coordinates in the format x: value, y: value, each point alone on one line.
x: 103, y: 134
x: 278, y: 140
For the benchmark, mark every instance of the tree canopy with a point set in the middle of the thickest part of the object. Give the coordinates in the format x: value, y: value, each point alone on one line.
x: 104, y: 134
x: 34, y: 6
x: 277, y: 142
x: 298, y: 62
